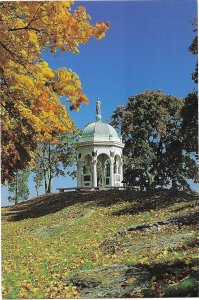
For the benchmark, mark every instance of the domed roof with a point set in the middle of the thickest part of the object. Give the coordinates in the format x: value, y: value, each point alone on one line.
x: 99, y: 131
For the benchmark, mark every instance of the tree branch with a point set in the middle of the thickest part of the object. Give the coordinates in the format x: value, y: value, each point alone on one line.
x: 33, y: 18
x: 27, y: 27
x: 10, y: 52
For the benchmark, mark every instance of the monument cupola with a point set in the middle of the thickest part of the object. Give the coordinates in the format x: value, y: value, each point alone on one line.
x: 99, y: 155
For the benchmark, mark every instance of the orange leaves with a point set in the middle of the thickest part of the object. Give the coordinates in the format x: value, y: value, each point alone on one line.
x: 67, y: 83
x: 101, y: 29
x: 83, y: 99
x: 45, y: 97
x: 32, y: 110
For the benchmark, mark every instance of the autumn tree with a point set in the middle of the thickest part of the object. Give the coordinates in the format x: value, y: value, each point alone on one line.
x: 54, y: 160
x: 30, y: 89
x: 150, y: 125
x: 18, y: 189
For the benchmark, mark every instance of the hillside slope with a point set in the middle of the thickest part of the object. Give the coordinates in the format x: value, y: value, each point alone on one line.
x: 100, y: 244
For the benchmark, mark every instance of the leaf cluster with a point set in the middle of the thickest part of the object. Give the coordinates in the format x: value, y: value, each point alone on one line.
x: 150, y: 124
x: 30, y: 89
x: 18, y: 189
x: 194, y: 49
x: 54, y: 160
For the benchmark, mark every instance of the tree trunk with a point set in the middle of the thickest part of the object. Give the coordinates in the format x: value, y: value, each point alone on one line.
x: 37, y: 190
x: 45, y: 182
x: 49, y: 188
x: 16, y: 190
x: 174, y: 185
x: 151, y: 180
x: 44, y: 170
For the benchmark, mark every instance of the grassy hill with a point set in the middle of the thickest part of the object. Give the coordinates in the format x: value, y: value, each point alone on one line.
x: 101, y: 244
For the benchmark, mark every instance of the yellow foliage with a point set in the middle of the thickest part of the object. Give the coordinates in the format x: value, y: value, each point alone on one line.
x: 31, y: 108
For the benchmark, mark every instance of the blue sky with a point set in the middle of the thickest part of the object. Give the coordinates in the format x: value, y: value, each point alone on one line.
x: 145, y: 48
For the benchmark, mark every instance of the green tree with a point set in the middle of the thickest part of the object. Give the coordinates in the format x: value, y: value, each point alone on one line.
x: 18, y: 189
x: 37, y: 175
x: 53, y: 160
x: 189, y: 130
x: 150, y: 124
x: 194, y: 49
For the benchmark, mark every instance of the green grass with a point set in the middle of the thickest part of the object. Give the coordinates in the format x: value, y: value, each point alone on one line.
x: 39, y: 253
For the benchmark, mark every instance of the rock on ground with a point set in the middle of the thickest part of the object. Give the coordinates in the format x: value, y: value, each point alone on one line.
x: 114, y: 281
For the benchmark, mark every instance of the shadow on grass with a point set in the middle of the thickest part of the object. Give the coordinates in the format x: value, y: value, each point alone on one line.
x: 52, y: 203
x: 156, y: 200
x: 178, y: 209
x: 176, y: 279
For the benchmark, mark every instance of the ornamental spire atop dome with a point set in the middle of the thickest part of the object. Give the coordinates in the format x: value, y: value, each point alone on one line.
x: 98, y: 110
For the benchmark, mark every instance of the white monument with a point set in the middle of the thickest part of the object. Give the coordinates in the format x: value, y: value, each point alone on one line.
x: 99, y: 155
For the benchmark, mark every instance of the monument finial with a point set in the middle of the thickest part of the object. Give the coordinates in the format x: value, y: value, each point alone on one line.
x: 98, y: 110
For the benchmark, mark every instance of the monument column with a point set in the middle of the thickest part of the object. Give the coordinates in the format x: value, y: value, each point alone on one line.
x: 121, y: 173
x: 103, y: 175
x: 112, y: 181
x: 79, y: 173
x: 95, y: 173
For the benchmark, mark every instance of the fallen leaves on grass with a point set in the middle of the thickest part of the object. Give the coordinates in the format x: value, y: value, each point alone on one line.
x: 36, y: 266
